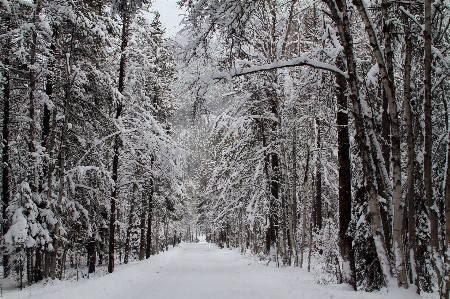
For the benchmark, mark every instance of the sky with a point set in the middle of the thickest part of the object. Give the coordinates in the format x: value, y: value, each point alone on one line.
x: 170, y: 15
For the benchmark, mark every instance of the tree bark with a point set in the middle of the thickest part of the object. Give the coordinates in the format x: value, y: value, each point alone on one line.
x: 130, y: 225
x: 5, y: 140
x: 149, y: 220
x: 305, y: 202
x: 112, y: 219
x: 411, y: 254
x: 386, y: 128
x: 37, y: 275
x: 62, y: 163
x: 33, y: 179
x: 318, y: 200
x: 142, y: 227
x: 428, y: 144
x: 272, y: 159
x: 294, y: 197
x: 92, y: 257
x: 345, y: 177
x: 447, y: 220
x: 91, y: 253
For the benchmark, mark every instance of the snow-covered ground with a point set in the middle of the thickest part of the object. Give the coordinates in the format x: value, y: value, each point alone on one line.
x: 201, y: 271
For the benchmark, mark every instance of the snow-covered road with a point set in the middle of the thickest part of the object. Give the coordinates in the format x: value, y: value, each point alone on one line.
x: 200, y: 271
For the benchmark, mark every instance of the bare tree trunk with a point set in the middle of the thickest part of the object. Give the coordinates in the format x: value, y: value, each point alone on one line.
x: 149, y: 221
x: 273, y: 174
x: 47, y: 262
x: 63, y: 263
x: 142, y: 226
x: 345, y: 176
x: 318, y: 200
x: 29, y: 252
x: 62, y: 163
x: 447, y: 220
x: 33, y: 175
x: 428, y: 145
x: 48, y: 124
x: 32, y: 113
x: 411, y: 254
x: 157, y: 220
x: 130, y: 224
x: 305, y: 202
x: 166, y: 233
x: 5, y: 141
x: 386, y: 129
x: 37, y: 275
x: 112, y: 219
x: 92, y: 258
x: 294, y: 198
x: 51, y: 167
x: 310, y: 241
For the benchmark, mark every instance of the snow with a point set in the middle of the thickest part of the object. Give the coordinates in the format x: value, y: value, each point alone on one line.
x: 201, y: 270
x: 18, y: 232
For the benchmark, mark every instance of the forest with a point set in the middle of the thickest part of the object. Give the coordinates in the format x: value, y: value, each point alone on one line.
x: 308, y: 133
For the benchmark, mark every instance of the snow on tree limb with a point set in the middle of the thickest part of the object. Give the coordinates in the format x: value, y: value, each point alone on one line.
x: 299, y: 61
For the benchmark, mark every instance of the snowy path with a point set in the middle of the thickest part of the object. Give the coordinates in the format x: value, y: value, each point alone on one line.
x: 199, y: 271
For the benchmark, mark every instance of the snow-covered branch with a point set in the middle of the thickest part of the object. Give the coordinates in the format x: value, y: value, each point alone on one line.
x: 299, y: 61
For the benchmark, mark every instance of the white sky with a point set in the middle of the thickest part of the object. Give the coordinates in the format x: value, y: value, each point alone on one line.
x: 170, y: 15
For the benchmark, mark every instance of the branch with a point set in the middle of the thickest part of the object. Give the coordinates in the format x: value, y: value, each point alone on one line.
x: 299, y: 61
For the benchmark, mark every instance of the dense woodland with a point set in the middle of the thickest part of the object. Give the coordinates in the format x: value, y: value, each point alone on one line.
x: 309, y: 133
x: 91, y: 173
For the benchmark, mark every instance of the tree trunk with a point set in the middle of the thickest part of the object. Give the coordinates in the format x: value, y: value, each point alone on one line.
x: 273, y: 173
x: 47, y: 262
x: 318, y: 200
x: 142, y: 227
x: 63, y: 264
x: 48, y: 136
x: 92, y: 256
x: 112, y: 219
x: 37, y: 275
x: 386, y: 129
x: 33, y: 179
x: 51, y: 168
x: 294, y: 198
x: 149, y: 220
x: 411, y: 254
x: 310, y: 239
x: 62, y: 162
x: 29, y: 265
x: 5, y: 150
x: 447, y: 220
x: 345, y: 178
x: 305, y: 202
x: 428, y: 145
x: 130, y: 225
x: 166, y: 233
